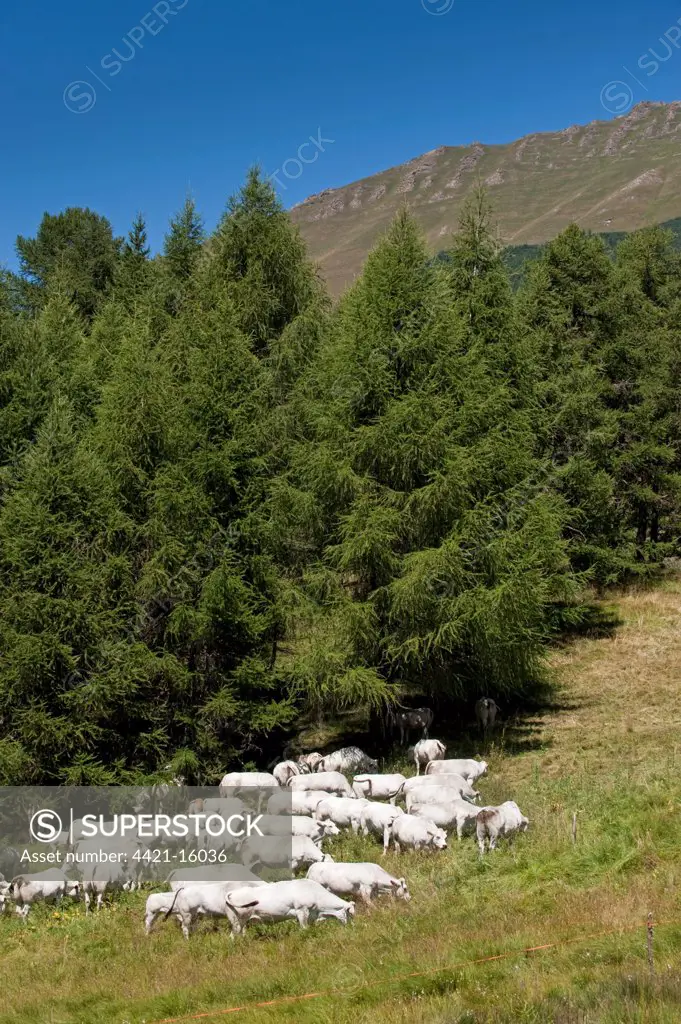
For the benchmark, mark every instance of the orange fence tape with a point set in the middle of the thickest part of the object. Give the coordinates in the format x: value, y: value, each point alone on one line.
x: 413, y: 974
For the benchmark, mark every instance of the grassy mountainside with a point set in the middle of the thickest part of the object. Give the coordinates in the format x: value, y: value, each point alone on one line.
x: 614, y: 175
x: 608, y: 750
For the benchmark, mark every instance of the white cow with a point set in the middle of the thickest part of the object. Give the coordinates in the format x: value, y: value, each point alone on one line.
x: 449, y: 780
x: 310, y: 761
x: 432, y: 795
x: 235, y: 781
x: 418, y: 833
x: 222, y: 805
x: 378, y: 818
x: 378, y: 787
x: 329, y: 782
x: 467, y: 767
x: 166, y: 903
x: 98, y: 879
x: 455, y: 813
x: 211, y: 874
x: 287, y: 802
x: 427, y: 750
x: 128, y: 851
x: 285, y: 770
x: 496, y: 822
x: 277, y: 851
x: 297, y: 825
x: 50, y: 885
x: 301, y: 899
x: 365, y: 880
x: 341, y: 810
x: 159, y: 903
x: 191, y: 902
x: 347, y: 759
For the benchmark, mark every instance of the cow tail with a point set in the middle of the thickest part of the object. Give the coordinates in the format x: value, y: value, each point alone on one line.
x: 172, y: 905
x: 481, y: 822
x: 244, y: 906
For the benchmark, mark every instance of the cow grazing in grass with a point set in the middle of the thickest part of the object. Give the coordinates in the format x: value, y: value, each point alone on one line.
x: 495, y: 823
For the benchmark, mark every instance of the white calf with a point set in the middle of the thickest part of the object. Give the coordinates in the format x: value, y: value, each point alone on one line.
x: 203, y: 901
x: 99, y: 879
x: 432, y: 795
x: 225, y: 806
x: 159, y: 903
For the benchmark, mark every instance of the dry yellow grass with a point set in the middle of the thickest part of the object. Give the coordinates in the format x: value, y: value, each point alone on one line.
x: 608, y: 754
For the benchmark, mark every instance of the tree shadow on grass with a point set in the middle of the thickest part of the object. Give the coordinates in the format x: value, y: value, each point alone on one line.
x: 519, y: 726
x: 592, y: 620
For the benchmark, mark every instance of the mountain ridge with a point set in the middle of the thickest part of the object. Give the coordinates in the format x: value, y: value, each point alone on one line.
x: 614, y: 175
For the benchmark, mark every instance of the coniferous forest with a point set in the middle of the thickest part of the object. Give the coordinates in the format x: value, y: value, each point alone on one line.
x: 228, y: 506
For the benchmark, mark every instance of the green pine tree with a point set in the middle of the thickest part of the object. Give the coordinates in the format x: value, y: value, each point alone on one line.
x: 259, y: 255
x: 75, y: 249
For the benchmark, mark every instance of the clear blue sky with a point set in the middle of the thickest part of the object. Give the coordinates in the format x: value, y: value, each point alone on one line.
x: 225, y: 83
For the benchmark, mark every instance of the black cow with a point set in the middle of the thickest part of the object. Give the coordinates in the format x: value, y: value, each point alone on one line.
x: 486, y: 713
x: 409, y: 719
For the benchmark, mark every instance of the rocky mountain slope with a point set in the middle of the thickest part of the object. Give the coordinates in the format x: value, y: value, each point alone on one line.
x: 614, y: 175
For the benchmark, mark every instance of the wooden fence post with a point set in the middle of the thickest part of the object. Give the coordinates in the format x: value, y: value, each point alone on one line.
x: 574, y: 828
x: 651, y: 963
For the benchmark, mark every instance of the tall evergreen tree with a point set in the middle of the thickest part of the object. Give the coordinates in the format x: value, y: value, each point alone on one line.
x: 76, y: 249
x: 568, y: 306
x: 184, y: 241
x: 439, y: 555
x: 643, y: 365
x: 259, y: 253
x: 61, y: 579
x: 35, y: 356
x: 133, y: 272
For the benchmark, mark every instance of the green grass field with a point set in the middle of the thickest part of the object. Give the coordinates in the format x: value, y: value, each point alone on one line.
x: 608, y: 751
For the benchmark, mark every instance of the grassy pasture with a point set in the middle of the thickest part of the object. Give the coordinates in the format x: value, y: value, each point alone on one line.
x: 608, y: 751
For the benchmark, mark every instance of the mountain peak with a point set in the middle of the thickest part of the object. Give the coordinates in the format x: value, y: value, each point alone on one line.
x: 614, y: 175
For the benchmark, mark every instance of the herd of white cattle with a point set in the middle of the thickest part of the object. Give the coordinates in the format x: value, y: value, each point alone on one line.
x: 313, y: 800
